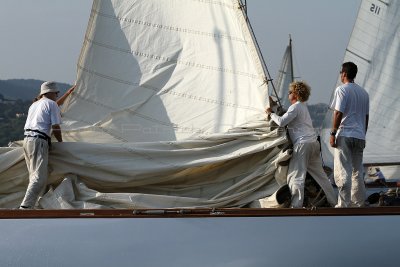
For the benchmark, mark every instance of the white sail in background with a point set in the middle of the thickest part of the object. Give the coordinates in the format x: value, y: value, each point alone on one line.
x: 285, y: 77
x: 375, y: 48
x: 168, y: 112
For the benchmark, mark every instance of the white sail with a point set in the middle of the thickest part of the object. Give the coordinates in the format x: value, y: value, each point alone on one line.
x: 285, y: 77
x: 374, y: 47
x: 164, y: 71
x: 168, y: 112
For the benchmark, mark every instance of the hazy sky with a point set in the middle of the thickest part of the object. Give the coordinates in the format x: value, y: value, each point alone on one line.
x: 41, y: 39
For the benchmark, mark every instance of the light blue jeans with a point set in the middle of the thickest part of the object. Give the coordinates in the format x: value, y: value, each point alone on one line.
x: 348, y: 171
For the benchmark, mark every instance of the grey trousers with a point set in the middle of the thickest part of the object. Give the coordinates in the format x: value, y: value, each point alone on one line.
x: 306, y: 158
x: 348, y: 171
x: 36, y: 153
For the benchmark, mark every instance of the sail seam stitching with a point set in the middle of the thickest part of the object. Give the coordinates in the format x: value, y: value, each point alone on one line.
x: 177, y: 61
x: 181, y: 129
x: 357, y: 55
x: 128, y: 149
x: 215, y: 3
x: 170, y: 125
x: 171, y: 92
x: 93, y: 127
x: 114, y: 135
x: 383, y: 2
x: 171, y: 28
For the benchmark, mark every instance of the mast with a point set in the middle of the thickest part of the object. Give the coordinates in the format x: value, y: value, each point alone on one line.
x: 285, y: 75
x: 291, y: 58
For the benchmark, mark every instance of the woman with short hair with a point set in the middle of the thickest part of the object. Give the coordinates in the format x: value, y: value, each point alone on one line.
x: 306, y: 147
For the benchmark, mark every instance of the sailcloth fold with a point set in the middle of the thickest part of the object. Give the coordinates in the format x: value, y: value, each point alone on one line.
x: 168, y: 112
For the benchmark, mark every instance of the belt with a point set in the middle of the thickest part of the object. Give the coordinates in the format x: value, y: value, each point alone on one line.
x: 40, y: 133
x: 38, y: 136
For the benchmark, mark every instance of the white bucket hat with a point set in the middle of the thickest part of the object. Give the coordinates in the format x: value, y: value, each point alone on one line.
x: 48, y: 87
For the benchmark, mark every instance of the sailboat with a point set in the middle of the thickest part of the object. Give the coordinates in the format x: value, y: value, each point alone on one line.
x: 167, y: 142
x: 167, y: 113
x: 376, y: 52
x: 285, y: 76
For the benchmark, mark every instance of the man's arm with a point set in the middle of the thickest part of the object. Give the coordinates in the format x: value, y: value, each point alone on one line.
x: 57, y: 132
x: 366, y: 123
x: 61, y: 100
x: 337, y: 118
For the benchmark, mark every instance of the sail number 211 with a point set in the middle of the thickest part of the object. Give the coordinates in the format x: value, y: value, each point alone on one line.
x: 375, y: 9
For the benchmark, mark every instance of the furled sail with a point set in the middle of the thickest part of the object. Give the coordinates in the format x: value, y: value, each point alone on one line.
x: 168, y: 112
x: 374, y: 47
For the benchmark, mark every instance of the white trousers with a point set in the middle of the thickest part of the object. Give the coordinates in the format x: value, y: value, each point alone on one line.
x: 306, y: 158
x: 348, y: 171
x: 36, y: 152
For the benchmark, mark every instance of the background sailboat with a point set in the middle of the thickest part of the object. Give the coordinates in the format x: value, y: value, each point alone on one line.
x: 285, y: 76
x: 375, y: 47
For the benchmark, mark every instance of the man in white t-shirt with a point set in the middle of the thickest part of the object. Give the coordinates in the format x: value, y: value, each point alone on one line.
x: 44, y: 118
x: 349, y: 127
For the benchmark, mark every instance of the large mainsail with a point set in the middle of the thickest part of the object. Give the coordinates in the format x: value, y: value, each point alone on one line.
x: 168, y: 112
x: 164, y: 70
x: 375, y: 47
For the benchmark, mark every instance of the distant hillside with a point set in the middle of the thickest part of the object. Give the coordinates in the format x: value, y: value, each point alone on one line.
x: 24, y: 89
x: 12, y: 120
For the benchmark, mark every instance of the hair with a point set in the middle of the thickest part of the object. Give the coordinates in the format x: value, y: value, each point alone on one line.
x: 350, y: 69
x: 37, y: 98
x: 301, y: 89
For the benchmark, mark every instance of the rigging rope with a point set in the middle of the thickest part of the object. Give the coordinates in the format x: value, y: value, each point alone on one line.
x: 268, y: 78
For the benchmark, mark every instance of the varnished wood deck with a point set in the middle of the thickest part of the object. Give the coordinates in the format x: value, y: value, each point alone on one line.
x: 195, y: 213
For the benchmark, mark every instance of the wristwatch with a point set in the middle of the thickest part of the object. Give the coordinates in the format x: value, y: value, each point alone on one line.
x: 333, y: 133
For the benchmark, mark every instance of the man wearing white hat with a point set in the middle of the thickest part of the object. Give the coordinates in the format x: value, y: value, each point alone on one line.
x: 43, y: 118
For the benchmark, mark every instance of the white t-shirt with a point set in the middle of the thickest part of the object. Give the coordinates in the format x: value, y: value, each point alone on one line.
x: 42, y: 115
x: 299, y: 123
x: 353, y: 101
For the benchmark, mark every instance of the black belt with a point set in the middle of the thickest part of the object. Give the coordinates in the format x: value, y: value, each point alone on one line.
x: 40, y: 135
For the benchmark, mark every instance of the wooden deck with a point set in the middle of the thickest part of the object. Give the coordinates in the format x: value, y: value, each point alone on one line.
x: 195, y: 213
